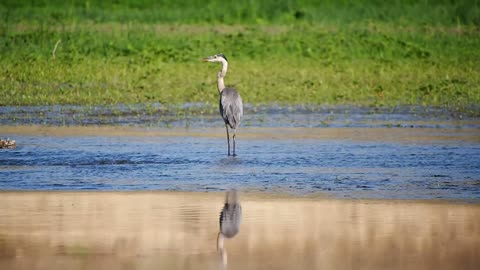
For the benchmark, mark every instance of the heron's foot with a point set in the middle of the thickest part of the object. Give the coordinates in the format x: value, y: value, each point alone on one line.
x: 234, y: 155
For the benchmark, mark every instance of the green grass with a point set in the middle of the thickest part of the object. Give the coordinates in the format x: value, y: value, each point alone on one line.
x: 315, y: 52
x: 433, y: 12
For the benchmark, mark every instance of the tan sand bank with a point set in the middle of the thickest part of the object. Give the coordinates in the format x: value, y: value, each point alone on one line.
x: 173, y: 230
x: 416, y: 135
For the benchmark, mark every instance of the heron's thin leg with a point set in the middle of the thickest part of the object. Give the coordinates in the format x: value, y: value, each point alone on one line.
x: 219, y: 241
x: 228, y: 139
x: 234, y: 135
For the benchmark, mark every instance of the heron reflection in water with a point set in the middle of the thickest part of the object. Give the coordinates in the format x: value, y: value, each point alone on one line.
x: 230, y: 220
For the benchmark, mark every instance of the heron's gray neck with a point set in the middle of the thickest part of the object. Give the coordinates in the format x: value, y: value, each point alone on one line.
x: 221, y: 75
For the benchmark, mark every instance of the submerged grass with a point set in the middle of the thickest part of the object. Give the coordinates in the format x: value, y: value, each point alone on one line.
x: 317, y: 52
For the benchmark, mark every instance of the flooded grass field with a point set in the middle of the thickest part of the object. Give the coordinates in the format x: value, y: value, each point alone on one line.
x: 359, y: 147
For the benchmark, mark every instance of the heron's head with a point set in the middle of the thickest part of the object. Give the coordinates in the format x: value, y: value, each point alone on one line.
x: 216, y: 58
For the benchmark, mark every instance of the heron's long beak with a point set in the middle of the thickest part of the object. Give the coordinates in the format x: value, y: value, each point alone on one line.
x: 206, y: 59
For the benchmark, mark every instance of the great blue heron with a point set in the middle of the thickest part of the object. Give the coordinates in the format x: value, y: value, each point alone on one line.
x: 231, y: 105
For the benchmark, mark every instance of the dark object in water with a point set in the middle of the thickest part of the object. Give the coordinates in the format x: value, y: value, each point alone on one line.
x: 7, y: 143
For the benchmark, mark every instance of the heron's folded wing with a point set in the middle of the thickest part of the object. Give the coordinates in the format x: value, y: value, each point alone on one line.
x: 231, y: 107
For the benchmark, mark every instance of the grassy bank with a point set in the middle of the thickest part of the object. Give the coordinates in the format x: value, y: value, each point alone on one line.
x: 318, y: 52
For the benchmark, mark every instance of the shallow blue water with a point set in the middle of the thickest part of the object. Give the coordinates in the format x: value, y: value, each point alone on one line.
x: 340, y: 168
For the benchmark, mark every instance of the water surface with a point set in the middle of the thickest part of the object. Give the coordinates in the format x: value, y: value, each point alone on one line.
x: 175, y: 230
x: 395, y: 163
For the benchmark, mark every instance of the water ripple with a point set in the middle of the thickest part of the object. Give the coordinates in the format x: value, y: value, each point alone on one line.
x: 342, y: 168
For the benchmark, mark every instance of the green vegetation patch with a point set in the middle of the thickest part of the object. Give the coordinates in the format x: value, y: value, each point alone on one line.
x: 149, y: 52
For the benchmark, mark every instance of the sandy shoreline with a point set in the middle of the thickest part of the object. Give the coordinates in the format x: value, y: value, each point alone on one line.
x: 416, y: 135
x: 177, y: 230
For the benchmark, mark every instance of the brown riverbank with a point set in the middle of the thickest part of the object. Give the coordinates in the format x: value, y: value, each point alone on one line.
x: 173, y: 230
x: 416, y: 135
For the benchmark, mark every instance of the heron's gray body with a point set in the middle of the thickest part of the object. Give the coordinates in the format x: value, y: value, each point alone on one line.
x: 231, y: 107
